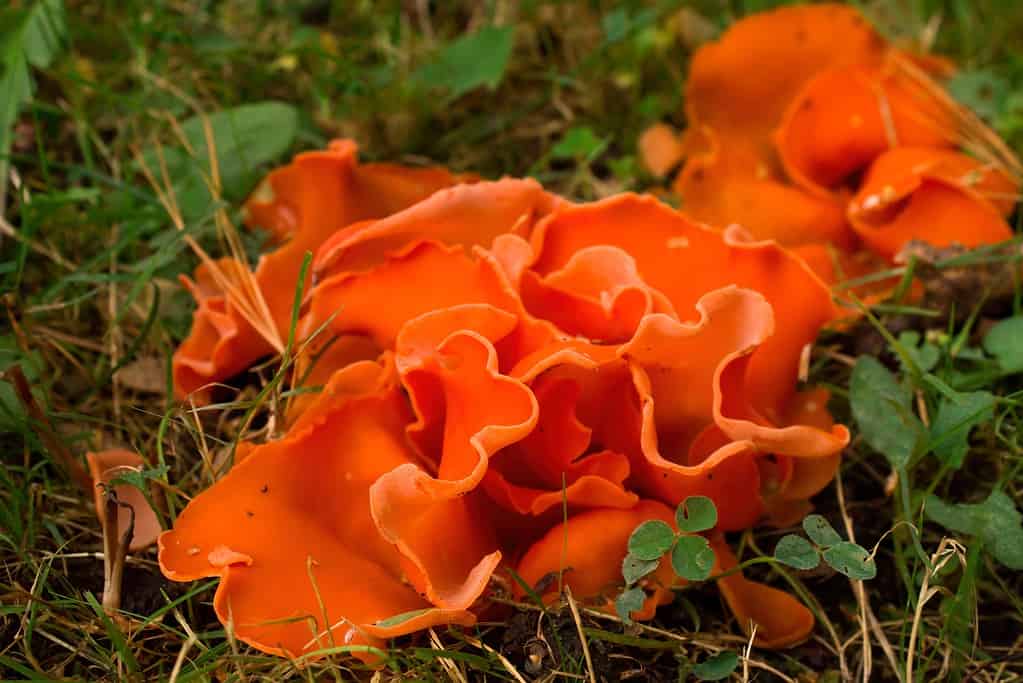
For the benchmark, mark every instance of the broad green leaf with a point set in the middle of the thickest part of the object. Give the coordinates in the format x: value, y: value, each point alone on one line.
x: 696, y: 514
x: 32, y: 36
x: 634, y: 568
x: 797, y: 552
x: 474, y: 60
x: 692, y: 558
x: 955, y: 419
x: 852, y: 560
x: 718, y: 667
x: 628, y: 602
x: 245, y: 138
x: 1004, y: 341
x: 43, y: 33
x: 579, y: 143
x: 996, y: 522
x: 650, y: 540
x: 882, y: 409
x: 820, y: 531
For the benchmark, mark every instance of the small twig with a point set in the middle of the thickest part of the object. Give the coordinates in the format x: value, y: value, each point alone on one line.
x: 9, y: 230
x: 180, y: 661
x: 746, y: 654
x: 233, y: 644
x: 857, y: 586
x: 115, y: 551
x: 582, y: 634
x: 448, y: 665
x: 500, y: 657
x: 947, y: 550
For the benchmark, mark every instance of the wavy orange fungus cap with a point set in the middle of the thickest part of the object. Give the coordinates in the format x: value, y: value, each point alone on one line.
x: 794, y: 112
x: 494, y: 359
x: 301, y: 205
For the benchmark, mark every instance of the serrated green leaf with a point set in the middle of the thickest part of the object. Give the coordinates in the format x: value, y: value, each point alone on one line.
x: 797, y: 552
x: 651, y: 539
x: 718, y: 667
x: 995, y: 521
x: 628, y: 602
x: 955, y: 419
x: 820, y: 531
x: 852, y: 560
x: 634, y: 568
x: 692, y: 558
x: 882, y: 409
x: 474, y: 60
x: 696, y: 514
x: 1004, y: 341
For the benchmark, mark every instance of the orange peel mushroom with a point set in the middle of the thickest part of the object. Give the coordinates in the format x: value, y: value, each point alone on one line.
x: 498, y: 359
x: 301, y: 204
x: 295, y: 515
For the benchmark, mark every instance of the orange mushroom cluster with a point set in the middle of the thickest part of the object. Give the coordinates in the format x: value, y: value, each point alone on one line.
x: 510, y: 381
x: 805, y: 126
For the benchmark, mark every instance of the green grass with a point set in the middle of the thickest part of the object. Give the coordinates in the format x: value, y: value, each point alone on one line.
x: 90, y: 259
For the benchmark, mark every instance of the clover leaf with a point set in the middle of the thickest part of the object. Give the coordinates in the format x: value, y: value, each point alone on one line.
x: 628, y: 602
x: 797, y: 552
x: 650, y: 540
x: 696, y: 514
x: 718, y: 667
x: 634, y: 568
x: 692, y: 558
x: 820, y: 530
x: 852, y: 560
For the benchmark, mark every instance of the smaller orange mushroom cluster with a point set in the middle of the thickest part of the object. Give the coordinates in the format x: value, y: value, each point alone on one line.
x: 510, y: 381
x: 806, y: 127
